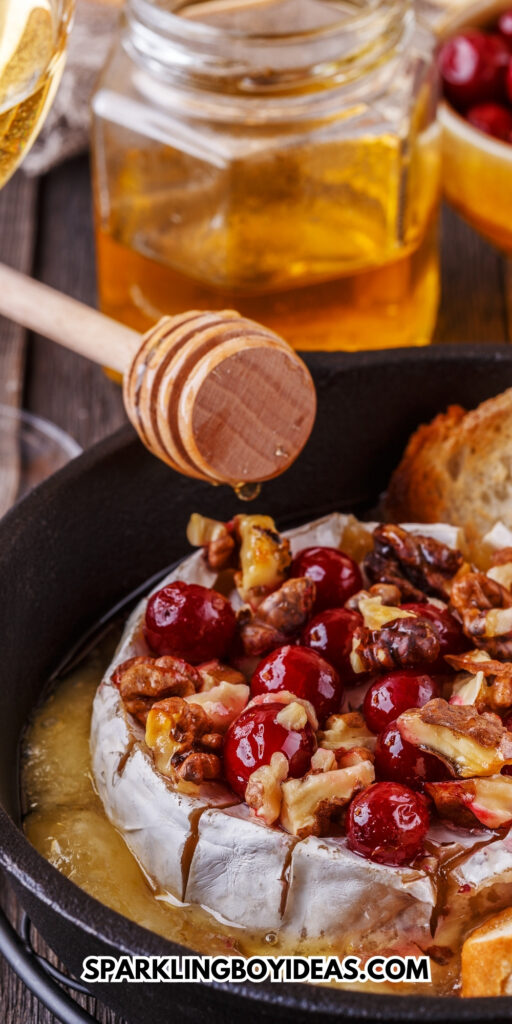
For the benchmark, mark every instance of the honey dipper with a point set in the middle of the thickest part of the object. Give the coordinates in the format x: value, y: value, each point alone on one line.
x: 215, y: 396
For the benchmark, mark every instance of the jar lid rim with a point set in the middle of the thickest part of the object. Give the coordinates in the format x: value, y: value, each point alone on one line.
x: 191, y: 28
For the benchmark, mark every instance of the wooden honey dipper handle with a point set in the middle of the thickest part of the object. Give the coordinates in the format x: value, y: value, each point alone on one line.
x: 215, y: 396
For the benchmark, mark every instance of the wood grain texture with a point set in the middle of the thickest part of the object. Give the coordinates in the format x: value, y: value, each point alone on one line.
x: 473, y: 307
x: 62, y: 386
x: 476, y: 306
x: 17, y: 222
x: 219, y: 397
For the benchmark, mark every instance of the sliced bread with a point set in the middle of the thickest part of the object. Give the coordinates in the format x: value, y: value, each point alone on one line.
x: 457, y: 469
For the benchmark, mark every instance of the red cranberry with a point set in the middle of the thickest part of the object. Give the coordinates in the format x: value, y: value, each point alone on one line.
x: 189, y: 622
x: 255, y: 735
x: 472, y: 67
x: 304, y: 673
x: 505, y: 25
x: 508, y: 82
x: 449, y: 632
x: 330, y: 634
x: 335, y: 574
x: 493, y: 119
x: 394, y: 693
x: 397, y: 760
x: 387, y: 823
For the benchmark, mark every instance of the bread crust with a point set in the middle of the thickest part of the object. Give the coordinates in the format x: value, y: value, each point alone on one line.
x: 457, y: 469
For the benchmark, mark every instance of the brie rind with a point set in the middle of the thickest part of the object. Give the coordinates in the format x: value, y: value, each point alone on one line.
x: 207, y: 849
x: 336, y: 893
x: 239, y: 868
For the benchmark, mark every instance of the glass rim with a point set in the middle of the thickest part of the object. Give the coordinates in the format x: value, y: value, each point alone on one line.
x: 44, y: 427
x: 191, y: 30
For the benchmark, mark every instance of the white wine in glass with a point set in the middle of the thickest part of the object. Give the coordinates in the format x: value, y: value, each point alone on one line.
x: 33, y: 36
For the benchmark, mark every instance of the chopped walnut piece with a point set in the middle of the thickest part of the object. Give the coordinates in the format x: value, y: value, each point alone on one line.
x: 387, y: 593
x: 279, y: 618
x: 293, y: 717
x: 501, y: 557
x: 501, y: 568
x: 263, y: 791
x: 419, y: 566
x: 213, y: 673
x: 216, y: 539
x: 222, y: 704
x: 402, y: 643
x: 175, y: 730
x: 470, y: 661
x: 285, y: 697
x: 376, y: 614
x: 264, y: 557
x: 490, y: 686
x: 198, y: 767
x: 323, y: 760
x: 345, y: 732
x: 142, y: 681
x: 471, y: 802
x: 472, y: 690
x: 347, y: 758
x: 471, y: 744
x: 309, y: 804
x: 485, y: 608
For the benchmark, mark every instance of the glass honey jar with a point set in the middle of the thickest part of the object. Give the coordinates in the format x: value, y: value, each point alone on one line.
x: 279, y: 157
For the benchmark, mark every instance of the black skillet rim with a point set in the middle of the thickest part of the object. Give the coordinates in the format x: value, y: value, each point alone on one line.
x: 24, y: 864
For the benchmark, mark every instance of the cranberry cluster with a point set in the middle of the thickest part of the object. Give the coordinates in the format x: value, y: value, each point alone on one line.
x: 388, y: 821
x: 476, y: 72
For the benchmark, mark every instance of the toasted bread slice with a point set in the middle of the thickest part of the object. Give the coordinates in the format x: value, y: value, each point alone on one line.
x: 487, y: 958
x: 458, y: 469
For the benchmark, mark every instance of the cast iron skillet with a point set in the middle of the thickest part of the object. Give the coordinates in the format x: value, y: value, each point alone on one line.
x: 111, y: 519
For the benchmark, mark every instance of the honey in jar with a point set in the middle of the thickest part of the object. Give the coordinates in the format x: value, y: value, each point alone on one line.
x: 280, y: 157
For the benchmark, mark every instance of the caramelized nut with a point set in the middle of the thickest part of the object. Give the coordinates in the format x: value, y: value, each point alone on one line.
x: 263, y: 791
x: 469, y: 743
x: 473, y: 802
x: 418, y: 566
x: 402, y: 643
x: 485, y: 609
x: 309, y: 804
x: 346, y: 732
x: 279, y: 617
x: 142, y: 681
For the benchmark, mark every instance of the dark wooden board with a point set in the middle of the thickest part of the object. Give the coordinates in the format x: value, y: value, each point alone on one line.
x: 46, y: 229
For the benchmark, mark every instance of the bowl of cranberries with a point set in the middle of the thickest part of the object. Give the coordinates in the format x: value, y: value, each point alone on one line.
x: 475, y: 66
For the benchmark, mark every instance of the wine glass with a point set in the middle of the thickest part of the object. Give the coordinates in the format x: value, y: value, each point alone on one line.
x: 33, y: 36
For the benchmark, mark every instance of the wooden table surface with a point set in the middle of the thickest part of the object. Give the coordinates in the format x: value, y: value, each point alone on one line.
x: 46, y: 230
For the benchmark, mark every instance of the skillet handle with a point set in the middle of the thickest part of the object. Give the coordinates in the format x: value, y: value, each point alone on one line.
x: 40, y: 976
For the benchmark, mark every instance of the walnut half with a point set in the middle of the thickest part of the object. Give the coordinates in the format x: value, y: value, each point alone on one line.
x: 469, y: 743
x: 310, y: 803
x: 402, y: 643
x: 182, y: 741
x: 142, y: 681
x: 279, y: 618
x: 419, y: 566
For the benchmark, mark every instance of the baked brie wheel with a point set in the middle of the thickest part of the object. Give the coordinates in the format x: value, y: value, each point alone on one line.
x: 282, y: 849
